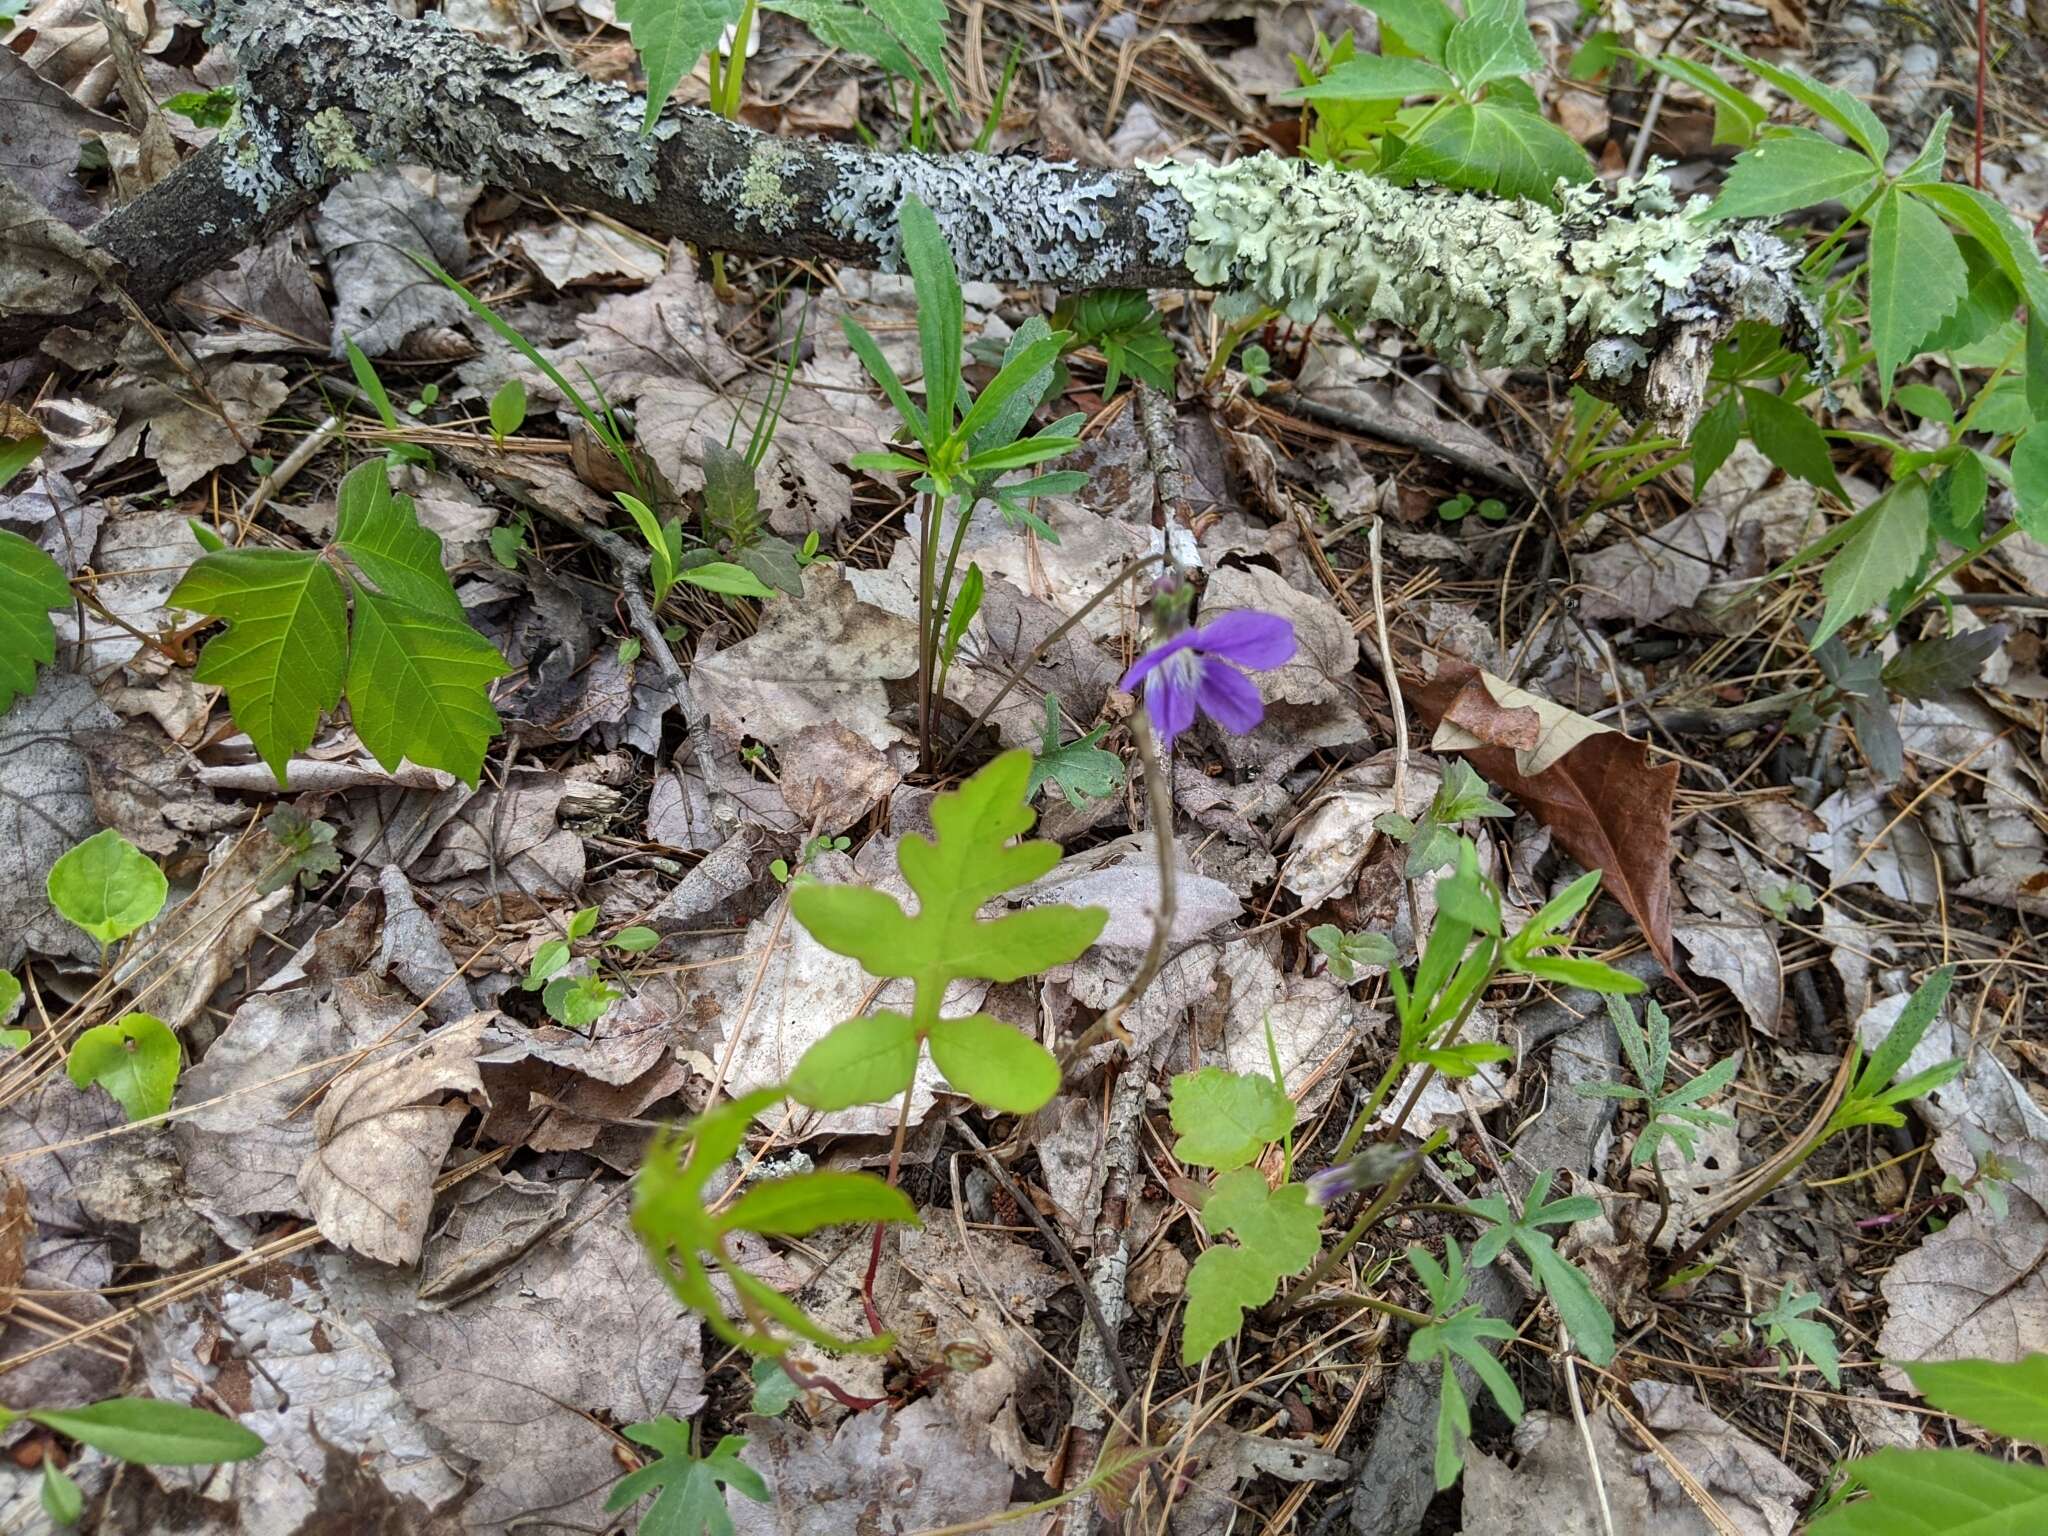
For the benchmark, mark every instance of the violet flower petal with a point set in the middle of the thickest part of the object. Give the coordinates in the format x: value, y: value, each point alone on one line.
x: 1170, y: 697
x: 1227, y: 696
x: 1142, y: 667
x: 1249, y: 637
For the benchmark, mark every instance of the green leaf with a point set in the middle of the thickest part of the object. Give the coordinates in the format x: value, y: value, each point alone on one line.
x: 508, y: 408
x: 578, y: 1001
x: 419, y: 687
x: 688, y: 1497
x: 1424, y: 25
x: 1714, y: 438
x: 971, y: 862
x: 2030, y: 483
x: 1490, y: 147
x: 1372, y: 77
x: 2008, y: 1398
x: 796, y: 1206
x: 940, y: 312
x: 31, y: 584
x: 204, y: 109
x: 959, y: 614
x: 1789, y: 169
x: 151, y: 1433
x: 1347, y: 952
x: 773, y: 1390
x: 724, y: 577
x: 1225, y: 1119
x: 371, y: 385
x: 840, y: 25
x: 920, y: 26
x: 1905, y: 1035
x: 381, y: 533
x: 1882, y: 553
x: 1785, y: 1323
x: 1081, y: 770
x: 284, y: 652
x: 635, y: 940
x: 995, y: 1064
x: 1940, y: 1493
x: 1491, y: 43
x: 136, y: 1059
x: 63, y: 1500
x: 671, y: 36
x: 879, y: 369
x: 1829, y: 103
x: 1917, y: 278
x: 107, y: 886
x: 1955, y: 502
x: 10, y: 995
x: 862, y: 1061
x: 1278, y: 1229
x: 1985, y: 220
x: 1791, y: 439
x: 1988, y: 302
x: 1577, y: 1307
x: 1737, y: 114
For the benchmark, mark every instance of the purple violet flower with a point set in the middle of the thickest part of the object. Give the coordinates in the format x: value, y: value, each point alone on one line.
x: 1199, y: 669
x: 1330, y: 1185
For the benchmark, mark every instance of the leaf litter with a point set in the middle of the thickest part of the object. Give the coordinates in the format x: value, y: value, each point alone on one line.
x: 386, y: 1224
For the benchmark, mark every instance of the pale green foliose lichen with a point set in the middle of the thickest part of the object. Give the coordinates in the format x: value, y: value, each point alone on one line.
x: 334, y: 139
x: 757, y: 191
x: 1510, y: 279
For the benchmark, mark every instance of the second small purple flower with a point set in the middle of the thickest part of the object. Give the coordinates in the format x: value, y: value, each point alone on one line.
x: 1203, y: 670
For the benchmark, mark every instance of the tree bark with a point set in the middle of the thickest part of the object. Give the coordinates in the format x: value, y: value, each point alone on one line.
x: 1619, y: 287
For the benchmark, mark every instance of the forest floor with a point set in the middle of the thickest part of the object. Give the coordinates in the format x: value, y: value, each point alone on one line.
x: 437, y: 1313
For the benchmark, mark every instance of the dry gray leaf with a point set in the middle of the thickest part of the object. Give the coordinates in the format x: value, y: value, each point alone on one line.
x: 882, y: 1473
x: 370, y: 1178
x: 45, y: 809
x: 1758, y: 1493
x: 367, y: 228
x: 413, y: 955
x: 181, y: 959
x: 1643, y: 579
x: 1339, y: 833
x: 576, y: 251
x: 148, y: 789
x: 46, y: 130
x: 515, y: 1381
x: 1124, y: 877
x: 1856, y: 849
x: 820, y: 661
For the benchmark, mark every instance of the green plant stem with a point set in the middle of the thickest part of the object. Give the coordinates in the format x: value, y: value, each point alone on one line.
x: 1921, y: 592
x: 1389, y: 1193
x: 926, y: 559
x: 943, y: 606
x: 1356, y: 1131
x: 1814, y: 264
x: 1720, y: 1224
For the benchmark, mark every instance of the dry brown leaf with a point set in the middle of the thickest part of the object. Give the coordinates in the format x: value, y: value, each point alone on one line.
x: 1595, y: 788
x: 370, y: 1178
x: 15, y: 1231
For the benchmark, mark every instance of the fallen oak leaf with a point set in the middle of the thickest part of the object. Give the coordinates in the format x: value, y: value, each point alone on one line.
x: 1595, y: 788
x: 378, y: 1145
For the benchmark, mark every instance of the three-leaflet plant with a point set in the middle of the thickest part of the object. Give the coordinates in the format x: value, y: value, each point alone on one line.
x: 873, y: 1058
x: 387, y: 624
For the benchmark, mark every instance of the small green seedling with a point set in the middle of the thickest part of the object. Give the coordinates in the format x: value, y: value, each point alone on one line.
x: 10, y: 1001
x: 1349, y: 953
x: 1578, y: 1308
x: 1789, y: 1333
x: 1453, y: 509
x: 508, y: 410
x: 689, y: 1494
x: 310, y: 847
x: 1081, y: 770
x: 135, y: 1059
x: 107, y: 886
x: 1670, y: 1114
x: 204, y: 109
x: 1458, y: 1332
x: 1461, y: 796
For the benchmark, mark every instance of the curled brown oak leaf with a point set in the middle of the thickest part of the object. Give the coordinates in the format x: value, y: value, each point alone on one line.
x: 1608, y: 806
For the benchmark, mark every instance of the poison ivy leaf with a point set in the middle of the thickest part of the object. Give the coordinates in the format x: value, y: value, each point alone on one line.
x: 31, y: 584
x: 1917, y: 278
x: 1791, y: 439
x: 1491, y: 43
x: 1490, y: 147
x: 1940, y: 1493
x: 689, y: 1497
x: 2007, y: 1398
x: 686, y: 1241
x: 134, y: 1059
x: 1826, y: 101
x: 1225, y: 1119
x: 419, y: 686
x: 1884, y: 551
x: 1278, y: 1229
x: 671, y: 36
x: 284, y: 652
x: 1372, y: 77
x: 1423, y: 25
x: 1790, y: 169
x: 152, y: 1433
x: 1082, y: 770
x: 382, y: 534
x: 107, y: 886
x: 972, y: 861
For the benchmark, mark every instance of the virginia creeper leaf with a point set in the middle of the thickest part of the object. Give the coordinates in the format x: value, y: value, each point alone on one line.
x: 1917, y: 278
x: 419, y: 686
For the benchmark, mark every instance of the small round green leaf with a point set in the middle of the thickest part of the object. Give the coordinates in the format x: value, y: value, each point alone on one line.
x: 10, y: 995
x: 107, y: 886
x: 63, y: 1500
x: 154, y: 1434
x: 995, y: 1064
x: 508, y: 409
x: 136, y: 1060
x: 1224, y: 1119
x: 863, y: 1061
x: 635, y: 940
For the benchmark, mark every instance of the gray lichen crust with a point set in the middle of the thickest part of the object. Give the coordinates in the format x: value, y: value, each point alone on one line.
x: 1026, y: 222
x: 450, y: 103
x: 1597, y: 279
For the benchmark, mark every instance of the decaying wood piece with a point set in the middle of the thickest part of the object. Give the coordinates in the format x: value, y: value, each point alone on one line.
x: 1617, y: 287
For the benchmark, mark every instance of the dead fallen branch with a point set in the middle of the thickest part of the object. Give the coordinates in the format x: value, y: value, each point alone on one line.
x: 1618, y: 288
